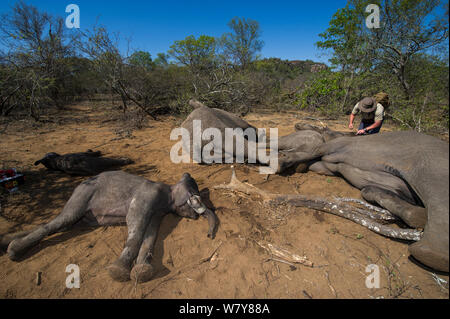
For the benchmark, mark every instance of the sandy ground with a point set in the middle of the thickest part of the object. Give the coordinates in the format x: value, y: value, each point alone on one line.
x: 340, y: 249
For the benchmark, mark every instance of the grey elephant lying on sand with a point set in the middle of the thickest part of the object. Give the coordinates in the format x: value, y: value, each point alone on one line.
x: 115, y: 198
x: 217, y: 119
x: 404, y: 172
x: 85, y: 163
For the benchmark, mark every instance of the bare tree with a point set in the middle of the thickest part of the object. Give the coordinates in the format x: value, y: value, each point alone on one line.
x: 35, y: 62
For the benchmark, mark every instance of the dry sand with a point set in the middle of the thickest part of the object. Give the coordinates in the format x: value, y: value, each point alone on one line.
x: 240, y: 268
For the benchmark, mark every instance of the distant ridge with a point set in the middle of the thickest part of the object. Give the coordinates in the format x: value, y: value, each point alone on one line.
x: 298, y: 66
x: 313, y: 66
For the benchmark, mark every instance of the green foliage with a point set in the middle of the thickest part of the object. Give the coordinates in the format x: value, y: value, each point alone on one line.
x: 344, y: 37
x: 141, y: 59
x: 197, y: 54
x: 395, y: 58
x: 42, y: 70
x: 427, y: 107
x: 281, y: 69
x: 405, y: 58
x: 162, y: 60
x: 323, y: 93
x: 242, y: 45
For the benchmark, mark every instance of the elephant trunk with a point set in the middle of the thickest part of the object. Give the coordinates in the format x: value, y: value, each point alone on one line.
x: 213, y: 222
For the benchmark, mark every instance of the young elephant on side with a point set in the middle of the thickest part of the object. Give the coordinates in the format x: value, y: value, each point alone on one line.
x: 85, y: 163
x: 114, y: 198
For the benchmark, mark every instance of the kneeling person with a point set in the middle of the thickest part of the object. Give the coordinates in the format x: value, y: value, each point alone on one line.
x: 372, y: 115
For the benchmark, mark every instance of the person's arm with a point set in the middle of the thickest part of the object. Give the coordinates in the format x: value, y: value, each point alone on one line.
x: 370, y: 127
x: 378, y: 120
x: 352, y: 118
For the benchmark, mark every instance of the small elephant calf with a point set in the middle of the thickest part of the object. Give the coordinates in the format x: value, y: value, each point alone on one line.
x: 85, y: 163
x: 114, y: 198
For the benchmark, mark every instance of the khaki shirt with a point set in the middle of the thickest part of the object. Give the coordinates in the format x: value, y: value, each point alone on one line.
x: 376, y: 115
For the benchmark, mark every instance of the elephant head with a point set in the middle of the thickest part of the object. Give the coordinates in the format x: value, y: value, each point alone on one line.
x: 188, y: 202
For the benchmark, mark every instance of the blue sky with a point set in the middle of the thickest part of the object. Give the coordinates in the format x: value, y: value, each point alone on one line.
x: 289, y: 28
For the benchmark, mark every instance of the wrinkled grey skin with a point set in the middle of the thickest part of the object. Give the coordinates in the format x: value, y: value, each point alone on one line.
x: 117, y: 198
x: 405, y: 172
x: 215, y: 118
x: 85, y: 163
x: 325, y: 132
x: 304, y: 141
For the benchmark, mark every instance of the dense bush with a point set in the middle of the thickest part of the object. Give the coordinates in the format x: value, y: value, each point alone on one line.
x: 45, y: 66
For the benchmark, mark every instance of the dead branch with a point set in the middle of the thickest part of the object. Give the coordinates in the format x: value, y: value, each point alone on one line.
x: 284, y: 254
x: 369, y: 206
x: 283, y: 262
x: 374, y: 212
x: 246, y: 188
x: 327, y: 275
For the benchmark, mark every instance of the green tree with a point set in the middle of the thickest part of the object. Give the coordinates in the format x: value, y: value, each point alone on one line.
x: 406, y: 28
x: 141, y: 59
x: 402, y: 57
x: 427, y: 109
x: 162, y: 60
x: 322, y: 93
x: 243, y: 43
x: 345, y: 38
x: 197, y: 54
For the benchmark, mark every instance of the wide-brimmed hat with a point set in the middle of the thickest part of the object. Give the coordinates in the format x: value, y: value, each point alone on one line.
x: 367, y: 105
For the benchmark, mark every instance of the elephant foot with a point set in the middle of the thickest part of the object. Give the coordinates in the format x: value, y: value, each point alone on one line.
x: 15, y: 249
x: 142, y: 273
x: 119, y: 272
x: 434, y: 258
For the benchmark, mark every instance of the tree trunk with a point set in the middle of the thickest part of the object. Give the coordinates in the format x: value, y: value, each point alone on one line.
x: 347, y: 91
x: 403, y: 82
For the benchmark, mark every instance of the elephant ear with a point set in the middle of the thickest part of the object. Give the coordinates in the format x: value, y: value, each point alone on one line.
x: 184, y: 189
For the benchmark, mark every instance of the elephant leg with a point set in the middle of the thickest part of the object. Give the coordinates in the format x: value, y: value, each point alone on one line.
x: 413, y: 216
x: 143, y: 270
x: 137, y: 223
x: 73, y: 211
x: 288, y: 160
x: 433, y: 249
x: 6, y: 239
x: 320, y: 168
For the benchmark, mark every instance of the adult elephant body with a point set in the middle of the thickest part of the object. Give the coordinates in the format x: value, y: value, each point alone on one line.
x: 401, y: 171
x: 217, y: 119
